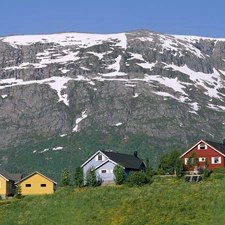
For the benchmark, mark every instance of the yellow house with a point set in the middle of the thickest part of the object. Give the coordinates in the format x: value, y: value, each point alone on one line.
x: 7, y: 183
x: 35, y: 184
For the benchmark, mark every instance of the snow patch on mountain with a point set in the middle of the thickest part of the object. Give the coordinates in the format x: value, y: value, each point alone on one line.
x: 56, y: 83
x: 209, y: 82
x: 82, y: 40
x: 83, y: 116
x: 57, y: 148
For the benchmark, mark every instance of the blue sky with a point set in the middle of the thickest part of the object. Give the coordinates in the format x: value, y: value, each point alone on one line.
x: 187, y: 17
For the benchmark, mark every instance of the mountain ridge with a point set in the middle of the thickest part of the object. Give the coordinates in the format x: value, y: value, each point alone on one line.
x: 167, y: 90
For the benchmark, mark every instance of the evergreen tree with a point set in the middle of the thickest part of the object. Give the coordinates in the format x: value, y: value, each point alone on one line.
x: 91, y: 177
x: 78, y: 177
x: 65, y: 178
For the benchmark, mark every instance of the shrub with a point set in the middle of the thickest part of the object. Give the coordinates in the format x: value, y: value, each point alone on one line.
x: 18, y: 191
x: 219, y: 170
x: 119, y: 174
x: 218, y: 176
x: 137, y: 178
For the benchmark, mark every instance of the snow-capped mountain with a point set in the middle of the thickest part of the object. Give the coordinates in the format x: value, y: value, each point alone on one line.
x: 167, y: 87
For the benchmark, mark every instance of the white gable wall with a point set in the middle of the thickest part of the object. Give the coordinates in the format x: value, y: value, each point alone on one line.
x: 94, y: 162
x: 105, y: 172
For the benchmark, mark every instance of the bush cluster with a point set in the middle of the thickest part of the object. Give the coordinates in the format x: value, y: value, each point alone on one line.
x: 137, y: 178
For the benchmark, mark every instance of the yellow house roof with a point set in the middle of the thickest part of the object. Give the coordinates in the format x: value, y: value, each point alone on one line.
x: 36, y: 172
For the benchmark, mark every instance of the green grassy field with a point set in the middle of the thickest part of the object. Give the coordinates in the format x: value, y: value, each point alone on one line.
x: 165, y: 202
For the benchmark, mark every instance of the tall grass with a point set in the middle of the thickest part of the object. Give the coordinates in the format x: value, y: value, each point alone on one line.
x: 164, y: 202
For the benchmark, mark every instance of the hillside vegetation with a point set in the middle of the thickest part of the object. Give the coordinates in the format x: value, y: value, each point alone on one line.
x: 65, y: 96
x: 164, y: 202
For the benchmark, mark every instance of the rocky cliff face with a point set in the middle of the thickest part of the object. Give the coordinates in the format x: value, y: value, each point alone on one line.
x: 56, y: 88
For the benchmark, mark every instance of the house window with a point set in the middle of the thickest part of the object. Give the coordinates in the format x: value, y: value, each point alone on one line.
x: 202, y: 146
x: 43, y: 185
x: 103, y: 171
x: 216, y: 160
x: 202, y: 159
x: 99, y: 157
x: 28, y: 185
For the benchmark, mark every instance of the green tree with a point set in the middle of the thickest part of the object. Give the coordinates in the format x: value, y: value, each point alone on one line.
x: 206, y: 171
x: 91, y: 178
x: 178, y: 167
x: 167, y: 160
x: 119, y: 174
x: 78, y: 177
x: 193, y: 161
x: 148, y: 168
x: 65, y: 178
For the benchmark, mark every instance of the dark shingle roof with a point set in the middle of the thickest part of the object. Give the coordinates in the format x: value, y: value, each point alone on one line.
x: 125, y: 160
x: 9, y: 176
x: 218, y: 146
x: 16, y: 177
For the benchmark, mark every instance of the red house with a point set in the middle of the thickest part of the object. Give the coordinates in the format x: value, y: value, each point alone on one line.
x: 213, y: 151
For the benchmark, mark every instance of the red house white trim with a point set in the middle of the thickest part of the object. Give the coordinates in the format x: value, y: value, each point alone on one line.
x: 213, y: 151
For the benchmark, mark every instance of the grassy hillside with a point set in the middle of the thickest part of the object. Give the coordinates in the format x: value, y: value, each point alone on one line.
x: 163, y: 202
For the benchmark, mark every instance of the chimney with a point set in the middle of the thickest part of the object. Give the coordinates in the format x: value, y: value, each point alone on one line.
x: 135, y: 154
x: 223, y: 141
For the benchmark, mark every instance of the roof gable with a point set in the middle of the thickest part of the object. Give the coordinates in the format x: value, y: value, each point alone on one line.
x: 36, y: 172
x: 99, y: 151
x: 108, y: 160
x: 218, y: 147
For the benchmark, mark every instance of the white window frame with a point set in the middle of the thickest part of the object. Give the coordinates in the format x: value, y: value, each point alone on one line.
x: 214, y: 158
x: 106, y: 171
x: 96, y: 158
x: 202, y: 159
x: 201, y: 145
